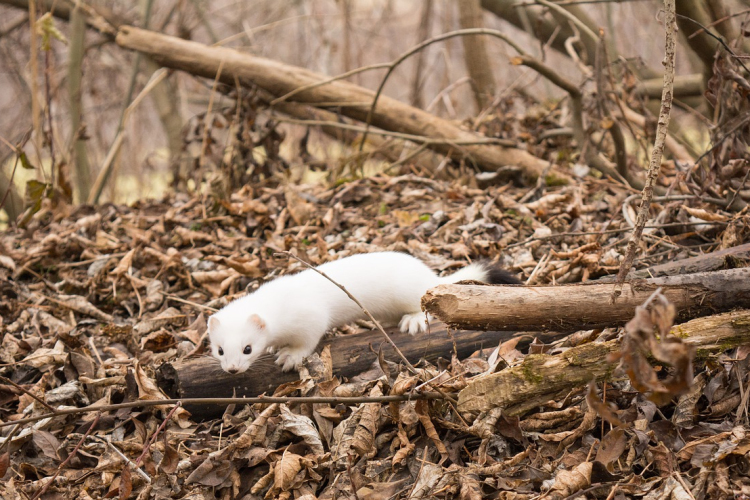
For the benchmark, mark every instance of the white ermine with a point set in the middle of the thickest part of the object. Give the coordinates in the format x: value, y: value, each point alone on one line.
x: 292, y: 313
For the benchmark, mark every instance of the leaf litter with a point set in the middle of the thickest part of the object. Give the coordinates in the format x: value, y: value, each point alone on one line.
x: 95, y: 299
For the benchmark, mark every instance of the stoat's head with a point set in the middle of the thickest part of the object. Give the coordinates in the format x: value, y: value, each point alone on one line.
x: 237, y: 344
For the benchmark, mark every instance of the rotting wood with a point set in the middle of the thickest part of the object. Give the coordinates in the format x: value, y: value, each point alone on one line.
x: 569, y: 308
x: 352, y: 100
x: 540, y: 377
x: 351, y: 355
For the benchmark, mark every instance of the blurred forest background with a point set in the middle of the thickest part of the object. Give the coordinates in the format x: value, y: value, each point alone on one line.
x: 162, y: 158
x: 80, y: 83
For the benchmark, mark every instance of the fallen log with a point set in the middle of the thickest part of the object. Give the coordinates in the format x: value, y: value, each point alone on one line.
x: 351, y: 355
x: 351, y: 100
x: 729, y: 258
x: 581, y: 306
x: 540, y: 377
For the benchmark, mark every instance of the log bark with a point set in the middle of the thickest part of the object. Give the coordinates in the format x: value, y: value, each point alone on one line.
x: 351, y: 354
x: 541, y: 377
x: 280, y: 79
x: 729, y: 258
x: 569, y: 308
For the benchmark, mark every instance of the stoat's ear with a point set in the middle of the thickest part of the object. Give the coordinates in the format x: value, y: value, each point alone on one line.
x: 213, y: 323
x: 256, y: 321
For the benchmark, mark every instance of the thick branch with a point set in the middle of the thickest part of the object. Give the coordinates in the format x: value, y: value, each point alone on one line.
x: 569, y: 308
x: 729, y: 258
x: 684, y: 86
x: 279, y: 79
x: 541, y: 377
x: 351, y: 354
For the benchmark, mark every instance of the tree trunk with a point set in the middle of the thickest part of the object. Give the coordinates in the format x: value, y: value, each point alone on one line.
x: 75, y: 75
x: 475, y: 54
x: 425, y: 22
x: 703, y: 45
x: 569, y: 308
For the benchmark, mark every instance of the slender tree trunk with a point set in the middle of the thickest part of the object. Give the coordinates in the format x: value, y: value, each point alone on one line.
x: 475, y: 54
x: 75, y: 73
x: 424, y: 32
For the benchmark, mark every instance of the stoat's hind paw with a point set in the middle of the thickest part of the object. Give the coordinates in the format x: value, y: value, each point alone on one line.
x: 414, y: 323
x: 289, y: 358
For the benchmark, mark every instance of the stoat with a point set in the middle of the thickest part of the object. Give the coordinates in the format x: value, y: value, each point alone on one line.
x: 292, y: 313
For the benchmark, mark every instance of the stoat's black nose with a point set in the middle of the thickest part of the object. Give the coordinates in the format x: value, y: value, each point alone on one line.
x: 233, y: 370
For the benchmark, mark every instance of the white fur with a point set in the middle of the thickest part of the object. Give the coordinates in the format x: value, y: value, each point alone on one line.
x: 292, y: 313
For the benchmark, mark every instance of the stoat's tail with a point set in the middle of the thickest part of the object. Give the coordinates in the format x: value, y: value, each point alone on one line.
x: 484, y: 272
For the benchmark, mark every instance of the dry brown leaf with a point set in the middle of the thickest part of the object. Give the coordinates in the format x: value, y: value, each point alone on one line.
x: 423, y: 411
x: 668, y: 348
x: 211, y: 472
x: 216, y: 282
x: 169, y: 459
x: 704, y: 214
x: 4, y: 463
x: 81, y: 305
x: 300, y: 209
x: 287, y: 472
x: 303, y: 427
x: 126, y: 484
x: 123, y: 267
x: 568, y: 482
x: 46, y: 442
x: 470, y: 487
x: 405, y: 219
x: 44, y: 358
x: 7, y: 263
x: 612, y: 446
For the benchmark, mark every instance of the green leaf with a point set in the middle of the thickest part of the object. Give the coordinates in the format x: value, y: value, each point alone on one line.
x: 35, y: 190
x: 25, y: 163
x: 45, y: 26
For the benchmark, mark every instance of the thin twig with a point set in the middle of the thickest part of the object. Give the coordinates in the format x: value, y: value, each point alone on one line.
x: 326, y: 81
x: 419, y: 47
x: 670, y: 25
x: 345, y: 400
x: 573, y: 19
x: 156, y: 434
x: 28, y: 393
x: 125, y: 459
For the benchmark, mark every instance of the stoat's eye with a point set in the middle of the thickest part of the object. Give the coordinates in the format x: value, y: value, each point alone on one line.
x: 248, y: 349
x: 221, y: 351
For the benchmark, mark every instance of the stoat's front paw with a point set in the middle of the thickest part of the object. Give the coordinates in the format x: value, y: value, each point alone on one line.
x: 288, y: 358
x: 414, y: 323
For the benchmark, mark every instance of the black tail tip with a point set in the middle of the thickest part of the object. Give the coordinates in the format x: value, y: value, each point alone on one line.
x: 496, y: 275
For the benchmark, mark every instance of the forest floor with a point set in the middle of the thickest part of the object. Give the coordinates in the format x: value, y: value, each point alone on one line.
x: 93, y: 300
